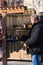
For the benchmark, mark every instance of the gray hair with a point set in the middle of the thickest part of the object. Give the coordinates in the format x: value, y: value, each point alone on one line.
x: 35, y: 17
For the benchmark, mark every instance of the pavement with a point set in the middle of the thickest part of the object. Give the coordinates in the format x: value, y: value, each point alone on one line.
x: 18, y: 63
x: 22, y: 55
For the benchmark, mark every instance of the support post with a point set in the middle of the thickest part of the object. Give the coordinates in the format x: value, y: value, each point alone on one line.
x: 4, y: 58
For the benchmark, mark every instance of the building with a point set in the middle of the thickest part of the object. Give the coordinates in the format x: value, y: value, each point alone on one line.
x: 41, y: 9
x: 34, y: 4
x: 41, y: 6
x: 30, y: 4
x: 11, y: 6
x: 12, y: 2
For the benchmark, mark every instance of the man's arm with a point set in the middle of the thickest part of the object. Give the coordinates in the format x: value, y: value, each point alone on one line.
x: 34, y: 37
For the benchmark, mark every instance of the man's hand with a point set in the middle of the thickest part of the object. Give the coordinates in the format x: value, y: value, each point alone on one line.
x: 24, y: 45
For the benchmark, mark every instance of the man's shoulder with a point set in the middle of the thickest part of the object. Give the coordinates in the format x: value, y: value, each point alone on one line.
x: 36, y: 27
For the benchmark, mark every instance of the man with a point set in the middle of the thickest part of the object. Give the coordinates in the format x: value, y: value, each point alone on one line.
x: 35, y: 41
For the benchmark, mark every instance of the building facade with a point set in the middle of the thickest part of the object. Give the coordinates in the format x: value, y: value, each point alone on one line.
x: 11, y: 2
x: 41, y: 6
x: 34, y: 4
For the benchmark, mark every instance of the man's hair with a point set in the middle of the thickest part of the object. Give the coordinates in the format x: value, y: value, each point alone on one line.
x: 35, y: 16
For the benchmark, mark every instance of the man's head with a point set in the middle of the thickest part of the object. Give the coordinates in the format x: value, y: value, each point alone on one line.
x: 34, y: 18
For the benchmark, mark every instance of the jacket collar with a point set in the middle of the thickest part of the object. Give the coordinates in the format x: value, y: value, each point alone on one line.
x: 35, y: 24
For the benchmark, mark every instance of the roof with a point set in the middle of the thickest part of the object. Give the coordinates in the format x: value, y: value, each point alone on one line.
x: 12, y: 9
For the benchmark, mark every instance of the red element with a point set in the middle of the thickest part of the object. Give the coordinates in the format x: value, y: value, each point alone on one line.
x: 0, y: 27
x: 2, y: 1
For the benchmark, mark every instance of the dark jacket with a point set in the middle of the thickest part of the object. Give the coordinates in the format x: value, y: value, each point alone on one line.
x: 35, y: 42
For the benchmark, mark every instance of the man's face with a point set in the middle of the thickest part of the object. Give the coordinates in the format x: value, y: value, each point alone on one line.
x: 32, y: 20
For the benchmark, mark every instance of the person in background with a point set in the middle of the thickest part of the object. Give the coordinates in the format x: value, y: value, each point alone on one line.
x: 35, y: 41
